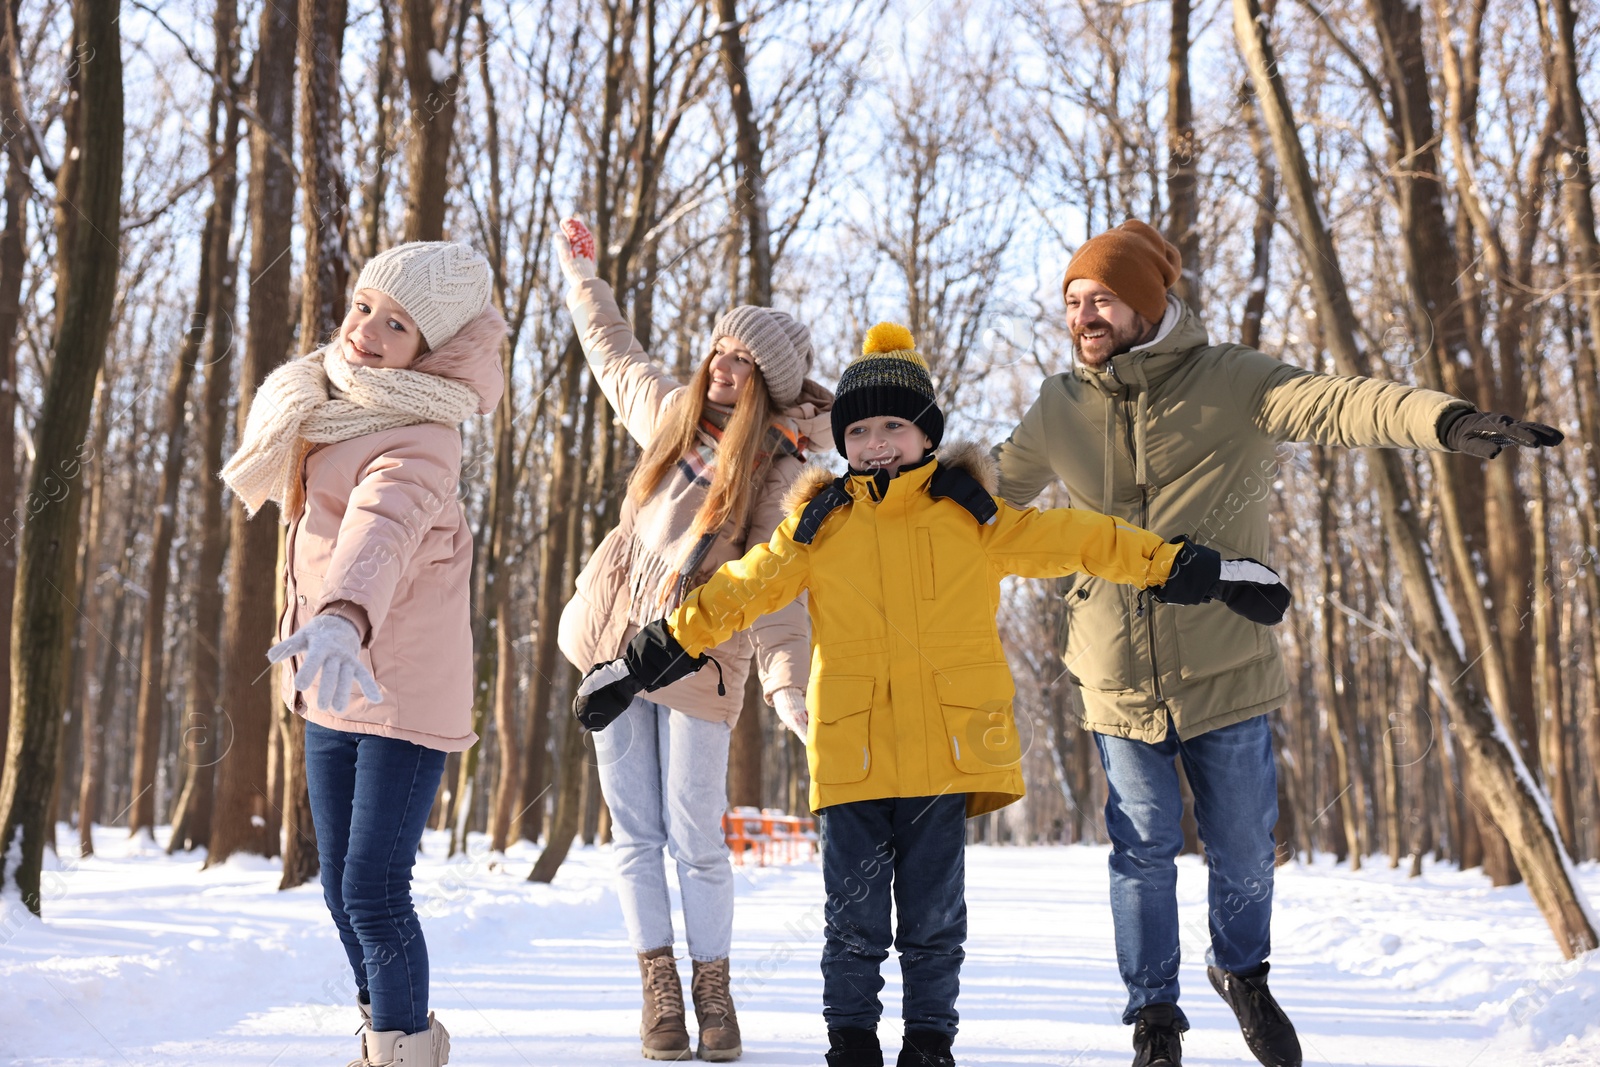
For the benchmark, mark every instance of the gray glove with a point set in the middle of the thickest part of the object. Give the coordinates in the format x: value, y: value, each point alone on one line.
x: 331, y: 646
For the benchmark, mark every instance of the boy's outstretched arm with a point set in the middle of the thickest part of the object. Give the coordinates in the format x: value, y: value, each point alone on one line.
x: 761, y: 581
x: 1060, y: 541
x: 765, y: 579
x: 1047, y: 544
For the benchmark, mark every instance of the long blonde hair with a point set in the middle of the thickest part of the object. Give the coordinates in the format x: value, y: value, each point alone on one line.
x: 739, y: 457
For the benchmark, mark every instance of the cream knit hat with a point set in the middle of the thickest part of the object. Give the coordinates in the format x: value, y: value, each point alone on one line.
x: 780, y: 344
x: 441, y: 284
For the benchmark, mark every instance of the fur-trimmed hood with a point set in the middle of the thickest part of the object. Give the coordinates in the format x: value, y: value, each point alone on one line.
x: 471, y: 356
x: 968, y: 456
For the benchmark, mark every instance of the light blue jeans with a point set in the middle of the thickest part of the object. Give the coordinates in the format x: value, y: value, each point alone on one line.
x: 665, y: 777
x: 1235, y: 784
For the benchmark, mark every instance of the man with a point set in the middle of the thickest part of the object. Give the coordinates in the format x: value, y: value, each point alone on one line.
x: 1158, y: 426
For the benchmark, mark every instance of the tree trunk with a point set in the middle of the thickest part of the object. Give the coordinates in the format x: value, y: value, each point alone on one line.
x: 744, y: 747
x: 564, y: 824
x: 1349, y: 801
x: 249, y: 694
x: 300, y: 860
x: 152, y: 705
x: 13, y: 263
x: 1266, y: 219
x: 752, y: 194
x: 1504, y: 784
x: 552, y: 598
x: 93, y: 721
x: 433, y: 114
x: 191, y: 819
x: 1183, y: 149
x: 378, y: 175
x: 569, y: 802
x: 43, y: 616
x: 325, y: 214
x: 1438, y: 325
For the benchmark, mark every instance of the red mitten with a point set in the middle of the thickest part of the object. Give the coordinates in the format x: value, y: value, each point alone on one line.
x: 575, y: 250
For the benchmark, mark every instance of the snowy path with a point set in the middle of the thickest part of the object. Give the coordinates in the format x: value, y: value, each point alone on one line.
x: 146, y: 960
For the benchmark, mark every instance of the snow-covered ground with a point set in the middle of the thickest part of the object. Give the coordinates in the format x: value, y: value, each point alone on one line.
x: 146, y: 960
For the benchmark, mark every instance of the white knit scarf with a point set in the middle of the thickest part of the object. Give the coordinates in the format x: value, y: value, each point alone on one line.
x: 322, y: 399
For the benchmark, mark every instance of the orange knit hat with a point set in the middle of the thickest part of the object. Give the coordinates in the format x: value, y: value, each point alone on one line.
x: 1133, y: 261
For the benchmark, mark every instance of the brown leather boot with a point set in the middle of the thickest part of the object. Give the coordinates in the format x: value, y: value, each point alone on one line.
x: 713, y: 1011
x: 662, y: 1033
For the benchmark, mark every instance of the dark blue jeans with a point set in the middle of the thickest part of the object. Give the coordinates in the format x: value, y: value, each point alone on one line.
x: 1235, y: 785
x: 913, y: 848
x: 370, y: 797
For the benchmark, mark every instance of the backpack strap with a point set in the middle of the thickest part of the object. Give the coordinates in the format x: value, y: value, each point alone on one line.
x: 959, y: 487
x: 825, y: 503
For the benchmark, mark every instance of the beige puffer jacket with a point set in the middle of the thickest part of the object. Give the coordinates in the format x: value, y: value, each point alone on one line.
x: 1181, y: 437
x: 634, y: 578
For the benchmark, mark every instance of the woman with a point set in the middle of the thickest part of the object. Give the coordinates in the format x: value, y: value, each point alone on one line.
x: 719, y: 455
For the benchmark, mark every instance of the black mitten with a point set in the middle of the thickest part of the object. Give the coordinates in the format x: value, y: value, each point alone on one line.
x: 1194, y: 574
x: 1254, y: 590
x: 652, y: 659
x: 1248, y: 587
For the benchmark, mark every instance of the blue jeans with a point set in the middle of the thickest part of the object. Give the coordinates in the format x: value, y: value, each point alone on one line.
x: 664, y: 775
x: 914, y: 848
x: 1236, y: 805
x: 370, y: 797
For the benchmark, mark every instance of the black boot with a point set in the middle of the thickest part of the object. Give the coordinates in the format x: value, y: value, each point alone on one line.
x: 853, y: 1046
x: 1267, y: 1030
x: 1158, y: 1037
x: 926, y: 1048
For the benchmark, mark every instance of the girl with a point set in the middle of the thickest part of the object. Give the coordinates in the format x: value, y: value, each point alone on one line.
x: 358, y: 444
x: 719, y: 455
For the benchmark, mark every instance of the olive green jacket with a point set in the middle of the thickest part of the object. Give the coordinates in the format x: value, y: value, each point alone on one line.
x: 1181, y: 436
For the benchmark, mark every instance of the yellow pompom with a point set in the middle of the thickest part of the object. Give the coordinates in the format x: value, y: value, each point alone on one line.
x: 887, y: 337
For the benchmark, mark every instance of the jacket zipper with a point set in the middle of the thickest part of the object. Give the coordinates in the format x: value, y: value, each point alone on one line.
x: 1144, y: 520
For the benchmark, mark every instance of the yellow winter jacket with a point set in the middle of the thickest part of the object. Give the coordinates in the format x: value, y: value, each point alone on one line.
x: 909, y: 693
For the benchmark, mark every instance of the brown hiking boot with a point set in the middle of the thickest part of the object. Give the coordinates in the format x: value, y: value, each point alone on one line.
x: 713, y: 1011
x: 662, y: 1033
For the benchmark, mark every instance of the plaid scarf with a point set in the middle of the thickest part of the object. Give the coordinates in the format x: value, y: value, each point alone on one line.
x: 698, y: 467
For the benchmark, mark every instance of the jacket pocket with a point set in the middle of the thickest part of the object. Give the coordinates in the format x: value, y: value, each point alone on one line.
x: 978, y: 722
x: 841, y: 709
x: 1098, y: 651
x: 925, y: 585
x: 1212, y: 640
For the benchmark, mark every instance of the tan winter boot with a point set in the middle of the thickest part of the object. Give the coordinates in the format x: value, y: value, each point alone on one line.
x: 396, y: 1048
x: 713, y: 1011
x: 361, y: 1034
x: 662, y: 1033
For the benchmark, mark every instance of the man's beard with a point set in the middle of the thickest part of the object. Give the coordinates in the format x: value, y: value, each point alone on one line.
x: 1122, y: 340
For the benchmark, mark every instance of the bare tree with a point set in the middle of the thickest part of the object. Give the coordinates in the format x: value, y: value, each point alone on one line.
x: 41, y: 636
x: 249, y: 694
x: 1502, y: 782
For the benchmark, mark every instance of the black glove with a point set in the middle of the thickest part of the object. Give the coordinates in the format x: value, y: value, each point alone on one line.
x: 1484, y: 434
x: 1248, y: 587
x: 652, y: 659
x: 1194, y: 574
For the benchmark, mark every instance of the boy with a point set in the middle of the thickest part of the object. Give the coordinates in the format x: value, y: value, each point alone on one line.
x: 910, y: 727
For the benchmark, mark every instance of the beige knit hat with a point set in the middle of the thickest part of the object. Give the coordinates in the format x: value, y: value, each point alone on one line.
x: 441, y: 284
x: 780, y: 344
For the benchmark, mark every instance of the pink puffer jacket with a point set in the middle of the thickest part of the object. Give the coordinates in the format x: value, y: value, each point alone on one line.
x: 382, y: 540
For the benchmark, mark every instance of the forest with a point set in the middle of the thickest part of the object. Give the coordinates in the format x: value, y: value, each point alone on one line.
x: 1392, y: 188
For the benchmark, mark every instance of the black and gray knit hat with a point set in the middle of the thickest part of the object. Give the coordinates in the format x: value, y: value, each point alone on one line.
x: 889, y: 378
x: 780, y: 343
